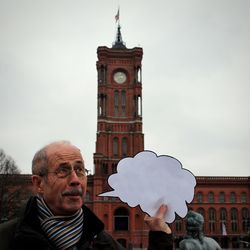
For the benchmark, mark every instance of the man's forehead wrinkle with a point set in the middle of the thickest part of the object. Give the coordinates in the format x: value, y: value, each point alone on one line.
x: 65, y: 157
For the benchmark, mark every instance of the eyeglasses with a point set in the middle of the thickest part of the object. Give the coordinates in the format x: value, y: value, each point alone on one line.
x: 66, y: 170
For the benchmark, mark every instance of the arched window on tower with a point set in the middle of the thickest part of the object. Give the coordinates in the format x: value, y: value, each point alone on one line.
x: 234, y: 220
x: 124, y: 146
x: 123, y: 102
x: 121, y: 219
x: 139, y: 106
x: 115, y: 147
x: 139, y: 75
x: 102, y: 75
x: 116, y: 103
x: 102, y: 100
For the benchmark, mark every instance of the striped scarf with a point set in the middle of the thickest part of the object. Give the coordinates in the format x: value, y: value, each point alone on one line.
x: 63, y: 231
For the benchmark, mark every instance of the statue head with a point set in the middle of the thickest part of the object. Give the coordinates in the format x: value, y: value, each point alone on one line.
x: 194, y: 222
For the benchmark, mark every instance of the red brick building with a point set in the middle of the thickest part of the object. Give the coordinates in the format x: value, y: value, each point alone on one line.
x: 223, y: 201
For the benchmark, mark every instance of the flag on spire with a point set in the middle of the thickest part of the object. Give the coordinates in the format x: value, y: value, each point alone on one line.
x: 117, y: 16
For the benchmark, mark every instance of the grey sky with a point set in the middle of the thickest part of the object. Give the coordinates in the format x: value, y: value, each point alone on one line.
x: 196, y: 91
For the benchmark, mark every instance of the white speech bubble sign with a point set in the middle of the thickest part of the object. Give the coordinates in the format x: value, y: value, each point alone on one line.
x: 149, y: 181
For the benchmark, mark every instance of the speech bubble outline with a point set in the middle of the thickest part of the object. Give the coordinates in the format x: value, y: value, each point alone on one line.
x: 149, y: 180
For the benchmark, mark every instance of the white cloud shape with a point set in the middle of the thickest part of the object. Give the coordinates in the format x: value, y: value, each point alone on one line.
x: 149, y: 180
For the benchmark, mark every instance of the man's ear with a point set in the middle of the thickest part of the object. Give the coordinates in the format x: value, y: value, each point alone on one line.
x: 38, y: 183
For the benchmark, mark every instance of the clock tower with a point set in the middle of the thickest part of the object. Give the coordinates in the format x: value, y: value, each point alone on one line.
x: 119, y: 105
x: 119, y: 134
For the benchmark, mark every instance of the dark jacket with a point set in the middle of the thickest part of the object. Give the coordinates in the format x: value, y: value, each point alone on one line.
x: 25, y: 233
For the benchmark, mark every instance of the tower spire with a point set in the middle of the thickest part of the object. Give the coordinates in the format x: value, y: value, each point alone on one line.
x: 118, y: 44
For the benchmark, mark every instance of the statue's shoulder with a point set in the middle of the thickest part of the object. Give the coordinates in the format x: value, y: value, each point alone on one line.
x: 190, y: 244
x: 212, y: 244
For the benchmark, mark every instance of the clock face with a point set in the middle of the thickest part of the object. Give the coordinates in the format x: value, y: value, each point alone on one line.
x: 120, y: 77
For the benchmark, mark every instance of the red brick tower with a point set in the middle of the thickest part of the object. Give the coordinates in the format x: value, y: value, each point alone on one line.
x: 119, y: 130
x: 119, y: 108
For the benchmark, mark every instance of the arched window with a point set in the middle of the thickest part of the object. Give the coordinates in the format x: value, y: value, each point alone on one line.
x: 210, y: 197
x: 102, y: 75
x: 211, y: 219
x: 201, y: 211
x: 199, y: 197
x: 234, y: 219
x: 138, y: 75
x: 232, y: 197
x: 223, y: 219
x: 102, y: 100
x: 124, y: 146
x: 139, y: 103
x: 123, y: 102
x: 243, y: 197
x: 116, y: 103
x: 245, y: 219
x: 121, y: 219
x: 115, y: 146
x: 222, y: 197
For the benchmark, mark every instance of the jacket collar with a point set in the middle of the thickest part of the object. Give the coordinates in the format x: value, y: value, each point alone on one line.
x: 92, y: 225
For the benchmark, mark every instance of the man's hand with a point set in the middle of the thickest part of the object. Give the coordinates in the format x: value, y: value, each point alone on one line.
x: 157, y: 222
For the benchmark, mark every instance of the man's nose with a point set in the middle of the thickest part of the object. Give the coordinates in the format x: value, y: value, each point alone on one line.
x: 74, y: 178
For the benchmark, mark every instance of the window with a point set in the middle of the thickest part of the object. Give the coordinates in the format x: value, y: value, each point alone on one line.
x: 234, y: 219
x: 115, y: 146
x: 124, y: 146
x: 121, y: 217
x: 199, y: 197
x: 102, y: 75
x: 232, y: 197
x: 138, y: 75
x: 139, y: 103
x: 102, y: 100
x: 210, y: 197
x: 201, y: 211
x: 222, y: 197
x: 116, y: 103
x: 243, y: 197
x: 245, y: 219
x: 223, y: 219
x: 211, y: 219
x: 123, y: 102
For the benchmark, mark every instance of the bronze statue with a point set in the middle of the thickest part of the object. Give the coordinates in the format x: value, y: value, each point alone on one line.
x: 195, y: 239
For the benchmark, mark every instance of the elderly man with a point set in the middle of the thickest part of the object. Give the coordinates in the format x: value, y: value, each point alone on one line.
x: 56, y: 218
x: 195, y: 240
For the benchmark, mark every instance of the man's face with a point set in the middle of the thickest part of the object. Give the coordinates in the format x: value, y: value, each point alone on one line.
x: 65, y: 195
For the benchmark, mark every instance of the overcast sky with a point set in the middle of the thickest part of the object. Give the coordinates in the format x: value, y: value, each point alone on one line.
x: 196, y: 77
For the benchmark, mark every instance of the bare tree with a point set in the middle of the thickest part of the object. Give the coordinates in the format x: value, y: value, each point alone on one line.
x: 8, y: 191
